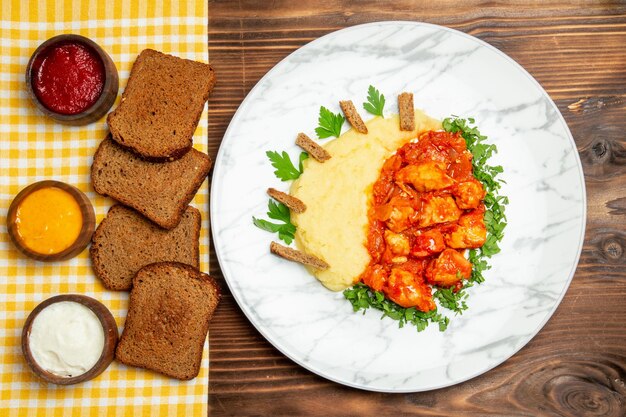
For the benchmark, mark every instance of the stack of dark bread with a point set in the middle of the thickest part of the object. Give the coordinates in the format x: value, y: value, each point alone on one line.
x: 149, y: 243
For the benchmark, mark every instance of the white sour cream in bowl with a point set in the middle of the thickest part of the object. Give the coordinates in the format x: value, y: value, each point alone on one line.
x: 66, y: 339
x: 69, y: 339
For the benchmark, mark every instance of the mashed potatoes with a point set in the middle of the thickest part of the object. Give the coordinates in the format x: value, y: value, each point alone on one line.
x: 337, y: 194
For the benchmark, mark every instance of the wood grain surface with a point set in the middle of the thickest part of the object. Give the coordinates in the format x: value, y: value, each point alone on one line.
x: 576, y: 366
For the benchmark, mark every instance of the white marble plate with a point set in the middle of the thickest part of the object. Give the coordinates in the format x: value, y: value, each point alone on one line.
x: 450, y: 73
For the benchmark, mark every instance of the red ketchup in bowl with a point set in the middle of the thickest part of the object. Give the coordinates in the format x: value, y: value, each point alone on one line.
x: 68, y: 78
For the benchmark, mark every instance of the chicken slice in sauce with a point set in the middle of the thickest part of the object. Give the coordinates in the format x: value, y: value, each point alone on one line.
x: 468, y: 194
x: 401, y: 286
x: 428, y: 176
x: 438, y: 209
x: 448, y: 270
x: 469, y: 232
x: 428, y: 243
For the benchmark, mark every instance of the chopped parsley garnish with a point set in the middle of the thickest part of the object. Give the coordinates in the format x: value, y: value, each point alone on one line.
x: 451, y: 300
x: 329, y: 124
x: 362, y: 297
x: 277, y: 211
x: 285, y: 170
x: 375, y: 102
x: 495, y: 218
x: 479, y: 265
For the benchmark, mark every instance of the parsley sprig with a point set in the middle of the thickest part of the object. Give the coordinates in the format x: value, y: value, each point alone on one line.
x: 329, y: 124
x: 362, y: 297
x: 285, y: 170
x: 375, y: 102
x: 277, y: 211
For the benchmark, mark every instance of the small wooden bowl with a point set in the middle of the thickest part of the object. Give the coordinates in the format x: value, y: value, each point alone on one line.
x: 110, y: 339
x: 83, y: 239
x: 109, y: 90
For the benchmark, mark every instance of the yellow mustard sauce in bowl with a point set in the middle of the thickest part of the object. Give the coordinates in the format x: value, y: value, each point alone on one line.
x: 48, y: 220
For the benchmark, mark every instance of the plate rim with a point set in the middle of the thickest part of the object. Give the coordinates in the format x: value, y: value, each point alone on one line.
x: 217, y: 168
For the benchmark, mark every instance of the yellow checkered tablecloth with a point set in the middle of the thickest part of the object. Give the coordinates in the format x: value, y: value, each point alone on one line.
x: 35, y: 148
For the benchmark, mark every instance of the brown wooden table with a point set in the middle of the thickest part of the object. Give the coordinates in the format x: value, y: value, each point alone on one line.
x: 576, y: 366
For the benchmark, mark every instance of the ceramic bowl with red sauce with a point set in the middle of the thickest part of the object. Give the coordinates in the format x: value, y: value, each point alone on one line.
x: 72, y: 79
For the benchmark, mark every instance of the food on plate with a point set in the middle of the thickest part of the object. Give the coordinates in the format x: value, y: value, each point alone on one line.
x: 348, y: 109
x: 48, y: 220
x: 291, y: 202
x: 298, y: 256
x: 170, y: 307
x: 479, y: 227
x: 405, y: 109
x: 336, y: 194
x: 160, y: 191
x: 314, y: 150
x: 396, y: 213
x: 426, y: 208
x: 125, y: 241
x: 161, y: 105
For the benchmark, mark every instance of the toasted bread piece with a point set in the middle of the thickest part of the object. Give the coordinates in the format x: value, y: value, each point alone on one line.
x: 161, y: 105
x: 407, y: 112
x: 312, y: 148
x: 353, y: 116
x: 125, y: 241
x: 297, y: 256
x: 294, y: 204
x: 169, y: 311
x: 160, y: 191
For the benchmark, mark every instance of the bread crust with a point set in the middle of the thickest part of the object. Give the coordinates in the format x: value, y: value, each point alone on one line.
x: 312, y: 148
x: 126, y: 187
x: 165, y: 122
x: 150, y: 328
x: 148, y: 243
x: 407, y: 112
x: 297, y: 256
x: 294, y: 204
x: 353, y: 116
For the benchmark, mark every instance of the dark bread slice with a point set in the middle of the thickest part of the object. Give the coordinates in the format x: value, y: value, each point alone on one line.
x: 407, y: 112
x: 297, y: 256
x: 169, y: 311
x: 161, y: 105
x: 125, y: 241
x: 353, y: 116
x: 316, y: 151
x: 294, y: 204
x: 160, y: 191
